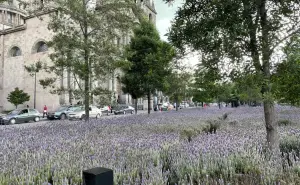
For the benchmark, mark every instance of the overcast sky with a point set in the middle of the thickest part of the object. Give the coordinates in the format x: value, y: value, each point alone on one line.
x: 165, y: 15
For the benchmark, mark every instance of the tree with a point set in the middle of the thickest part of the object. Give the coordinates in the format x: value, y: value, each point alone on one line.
x: 86, y: 39
x: 238, y: 29
x: 287, y: 75
x: 33, y: 69
x: 18, y: 97
x: 149, y: 59
x: 177, y: 83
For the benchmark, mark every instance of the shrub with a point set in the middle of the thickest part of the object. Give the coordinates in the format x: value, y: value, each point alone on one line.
x: 284, y: 122
x: 290, y: 144
x: 224, y: 116
x: 189, y: 133
x: 290, y: 149
x: 211, y: 126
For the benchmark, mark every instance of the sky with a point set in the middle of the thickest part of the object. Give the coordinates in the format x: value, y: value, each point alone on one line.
x: 165, y: 14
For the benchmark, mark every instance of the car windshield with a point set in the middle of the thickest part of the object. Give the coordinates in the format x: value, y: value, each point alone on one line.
x: 60, y: 109
x: 14, y: 112
x: 75, y: 109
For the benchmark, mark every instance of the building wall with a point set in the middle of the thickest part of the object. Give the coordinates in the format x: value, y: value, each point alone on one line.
x: 14, y: 71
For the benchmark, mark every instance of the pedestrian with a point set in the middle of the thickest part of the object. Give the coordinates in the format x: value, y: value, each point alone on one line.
x: 45, y: 111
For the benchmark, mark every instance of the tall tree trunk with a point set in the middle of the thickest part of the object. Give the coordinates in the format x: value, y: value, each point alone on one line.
x: 69, y: 86
x: 135, y: 105
x: 269, y: 110
x: 176, y: 101
x: 86, y: 68
x: 149, y: 102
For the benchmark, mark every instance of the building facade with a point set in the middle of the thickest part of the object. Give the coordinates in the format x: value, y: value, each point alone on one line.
x: 23, y: 42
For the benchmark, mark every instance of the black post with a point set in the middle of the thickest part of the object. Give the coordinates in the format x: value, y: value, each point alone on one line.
x: 98, y: 176
x: 34, y: 93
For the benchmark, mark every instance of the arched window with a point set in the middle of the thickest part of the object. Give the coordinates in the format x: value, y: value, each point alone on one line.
x: 15, y: 51
x: 39, y: 47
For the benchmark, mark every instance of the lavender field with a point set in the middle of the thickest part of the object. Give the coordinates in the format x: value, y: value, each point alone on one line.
x: 163, y: 148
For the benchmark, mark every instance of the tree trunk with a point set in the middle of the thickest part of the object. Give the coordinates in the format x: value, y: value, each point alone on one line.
x: 86, y: 67
x: 271, y: 127
x: 176, y: 101
x: 269, y: 112
x: 149, y: 102
x: 135, y: 105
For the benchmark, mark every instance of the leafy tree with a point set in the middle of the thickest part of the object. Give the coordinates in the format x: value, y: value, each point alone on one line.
x: 33, y: 69
x: 18, y: 97
x: 237, y: 29
x: 149, y: 59
x: 287, y: 75
x: 86, y: 40
x: 176, y: 87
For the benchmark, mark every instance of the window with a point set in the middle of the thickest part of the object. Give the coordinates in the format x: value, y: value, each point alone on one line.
x: 15, y: 51
x: 9, y: 17
x: 150, y: 17
x: 40, y: 47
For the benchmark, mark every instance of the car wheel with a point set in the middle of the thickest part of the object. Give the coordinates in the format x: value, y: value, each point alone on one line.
x: 63, y: 116
x: 82, y: 117
x: 98, y: 116
x: 12, y: 121
x: 36, y: 119
x: 132, y: 112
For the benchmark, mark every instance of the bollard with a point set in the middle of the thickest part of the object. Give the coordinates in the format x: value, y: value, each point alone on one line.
x: 98, y: 176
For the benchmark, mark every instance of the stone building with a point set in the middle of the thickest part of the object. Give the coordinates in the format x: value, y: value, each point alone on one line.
x: 23, y: 41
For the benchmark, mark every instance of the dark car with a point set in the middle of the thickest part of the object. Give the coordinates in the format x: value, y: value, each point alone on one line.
x: 124, y: 109
x: 20, y: 116
x: 61, y: 112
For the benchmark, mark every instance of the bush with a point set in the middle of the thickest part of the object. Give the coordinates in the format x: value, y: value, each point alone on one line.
x: 189, y: 133
x: 290, y: 149
x: 211, y: 126
x: 284, y: 122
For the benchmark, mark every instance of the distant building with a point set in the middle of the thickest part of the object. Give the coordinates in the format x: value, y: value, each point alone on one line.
x: 23, y: 41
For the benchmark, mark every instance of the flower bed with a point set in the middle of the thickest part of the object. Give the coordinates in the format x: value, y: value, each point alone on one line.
x: 164, y: 148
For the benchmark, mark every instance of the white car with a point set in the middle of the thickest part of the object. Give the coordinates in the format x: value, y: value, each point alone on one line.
x: 79, y: 113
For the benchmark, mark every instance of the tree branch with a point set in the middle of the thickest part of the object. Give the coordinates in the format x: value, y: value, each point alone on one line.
x: 283, y: 39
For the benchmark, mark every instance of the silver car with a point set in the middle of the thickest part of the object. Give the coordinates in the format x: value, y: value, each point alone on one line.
x: 79, y: 113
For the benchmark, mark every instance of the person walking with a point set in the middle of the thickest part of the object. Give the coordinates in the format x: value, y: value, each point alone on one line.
x: 45, y: 111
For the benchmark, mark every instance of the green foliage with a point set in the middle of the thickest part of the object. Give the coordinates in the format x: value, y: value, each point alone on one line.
x: 18, y: 97
x: 287, y: 76
x: 32, y: 69
x: 290, y: 144
x: 189, y: 133
x: 86, y: 44
x: 285, y: 122
x: 177, y: 85
x: 211, y: 126
x: 150, y: 61
x: 248, y: 86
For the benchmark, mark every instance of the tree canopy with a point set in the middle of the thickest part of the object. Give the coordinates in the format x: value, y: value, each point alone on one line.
x: 149, y: 59
x: 236, y: 30
x: 287, y: 75
x: 87, y: 41
x: 18, y: 97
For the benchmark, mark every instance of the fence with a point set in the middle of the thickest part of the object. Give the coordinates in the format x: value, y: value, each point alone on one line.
x: 98, y: 176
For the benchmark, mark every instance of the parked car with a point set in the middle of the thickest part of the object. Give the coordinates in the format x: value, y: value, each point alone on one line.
x: 61, y: 112
x: 79, y: 113
x: 20, y: 116
x: 124, y: 109
x: 105, y: 109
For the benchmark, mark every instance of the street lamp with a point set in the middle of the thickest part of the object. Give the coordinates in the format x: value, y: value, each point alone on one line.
x: 32, y: 70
